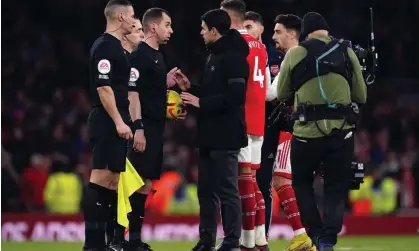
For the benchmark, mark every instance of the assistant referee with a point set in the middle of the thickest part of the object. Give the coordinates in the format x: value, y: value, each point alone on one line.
x: 107, y: 123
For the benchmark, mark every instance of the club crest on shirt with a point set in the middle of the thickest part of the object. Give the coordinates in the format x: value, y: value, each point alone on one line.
x: 274, y: 69
x: 104, y: 66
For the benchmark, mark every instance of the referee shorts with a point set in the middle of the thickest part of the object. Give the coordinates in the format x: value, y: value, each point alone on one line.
x: 109, y: 150
x: 149, y: 163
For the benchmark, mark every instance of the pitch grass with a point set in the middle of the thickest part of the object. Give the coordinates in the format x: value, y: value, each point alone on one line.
x: 370, y: 243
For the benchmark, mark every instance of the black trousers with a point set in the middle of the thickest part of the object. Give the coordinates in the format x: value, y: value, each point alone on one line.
x: 264, y: 174
x: 218, y: 180
x: 333, y: 154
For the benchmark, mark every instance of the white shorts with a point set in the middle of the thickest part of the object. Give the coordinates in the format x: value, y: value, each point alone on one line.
x: 282, y: 164
x: 251, y: 154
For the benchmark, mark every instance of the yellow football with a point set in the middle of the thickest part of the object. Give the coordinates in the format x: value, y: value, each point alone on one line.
x: 175, y: 105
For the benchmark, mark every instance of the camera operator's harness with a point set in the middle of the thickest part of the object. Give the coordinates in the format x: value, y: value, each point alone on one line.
x: 322, y: 59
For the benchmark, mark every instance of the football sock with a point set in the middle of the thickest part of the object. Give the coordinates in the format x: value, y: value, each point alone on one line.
x: 260, y: 235
x: 248, y: 201
x: 96, y: 210
x: 289, y: 204
x: 136, y: 217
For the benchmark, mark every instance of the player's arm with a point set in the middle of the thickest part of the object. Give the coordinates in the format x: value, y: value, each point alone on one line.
x: 359, y: 88
x: 283, y: 81
x: 236, y: 70
x: 104, y: 60
x: 271, y: 87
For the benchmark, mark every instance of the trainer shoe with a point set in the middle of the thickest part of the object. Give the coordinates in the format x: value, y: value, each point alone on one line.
x: 300, y: 242
x: 262, y: 248
x: 117, y: 247
x: 201, y: 247
x: 313, y: 248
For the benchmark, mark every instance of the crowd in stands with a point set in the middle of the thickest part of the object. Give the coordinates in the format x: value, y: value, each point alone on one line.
x: 45, y: 152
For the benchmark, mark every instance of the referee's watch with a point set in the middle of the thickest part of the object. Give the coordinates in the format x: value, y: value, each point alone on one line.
x: 138, y: 125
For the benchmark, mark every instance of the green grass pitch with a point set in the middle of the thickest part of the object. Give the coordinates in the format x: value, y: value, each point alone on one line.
x: 370, y: 243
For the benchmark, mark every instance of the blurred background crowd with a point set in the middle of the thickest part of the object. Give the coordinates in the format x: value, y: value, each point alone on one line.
x: 45, y: 153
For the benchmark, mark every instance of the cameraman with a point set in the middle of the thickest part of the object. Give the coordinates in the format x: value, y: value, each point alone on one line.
x: 323, y: 76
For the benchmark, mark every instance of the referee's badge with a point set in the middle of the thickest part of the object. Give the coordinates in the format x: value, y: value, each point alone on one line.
x: 104, y: 66
x: 135, y: 74
x: 274, y: 69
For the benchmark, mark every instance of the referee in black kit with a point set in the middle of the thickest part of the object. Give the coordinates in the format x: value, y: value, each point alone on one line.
x: 107, y: 123
x: 221, y: 129
x: 148, y: 86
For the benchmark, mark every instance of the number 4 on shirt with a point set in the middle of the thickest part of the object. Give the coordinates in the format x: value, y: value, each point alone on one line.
x: 257, y: 73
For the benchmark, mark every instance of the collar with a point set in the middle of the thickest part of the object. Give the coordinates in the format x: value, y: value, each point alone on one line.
x: 243, y: 32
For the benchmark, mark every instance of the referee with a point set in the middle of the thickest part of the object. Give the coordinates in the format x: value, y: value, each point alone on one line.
x: 221, y: 129
x: 148, y: 86
x: 323, y: 75
x: 107, y: 123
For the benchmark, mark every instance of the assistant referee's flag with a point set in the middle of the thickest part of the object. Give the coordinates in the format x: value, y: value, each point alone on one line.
x: 129, y: 182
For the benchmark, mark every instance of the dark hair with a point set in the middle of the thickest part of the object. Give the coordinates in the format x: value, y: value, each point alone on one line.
x: 153, y: 15
x: 109, y: 10
x: 238, y: 6
x: 290, y: 21
x: 218, y: 19
x: 253, y: 16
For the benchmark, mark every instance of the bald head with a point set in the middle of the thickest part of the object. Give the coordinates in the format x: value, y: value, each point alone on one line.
x: 115, y: 7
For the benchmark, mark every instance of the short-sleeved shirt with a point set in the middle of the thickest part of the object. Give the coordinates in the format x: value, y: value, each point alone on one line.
x: 148, y: 78
x: 109, y: 66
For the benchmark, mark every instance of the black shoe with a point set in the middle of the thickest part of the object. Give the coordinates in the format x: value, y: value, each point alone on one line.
x: 139, y: 247
x: 224, y: 247
x: 93, y: 249
x: 117, y: 247
x: 201, y: 247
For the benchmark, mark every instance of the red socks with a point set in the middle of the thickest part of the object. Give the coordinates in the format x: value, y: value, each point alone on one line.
x: 260, y: 205
x: 289, y: 204
x: 247, y: 196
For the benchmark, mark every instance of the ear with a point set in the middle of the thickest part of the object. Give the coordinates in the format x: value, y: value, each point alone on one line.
x: 214, y: 31
x: 262, y: 29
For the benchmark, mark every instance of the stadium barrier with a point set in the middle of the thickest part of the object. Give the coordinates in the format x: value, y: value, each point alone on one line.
x: 46, y: 227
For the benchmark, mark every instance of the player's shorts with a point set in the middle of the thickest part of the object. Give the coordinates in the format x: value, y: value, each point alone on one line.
x: 149, y: 163
x: 282, y: 164
x: 251, y: 154
x: 109, y: 150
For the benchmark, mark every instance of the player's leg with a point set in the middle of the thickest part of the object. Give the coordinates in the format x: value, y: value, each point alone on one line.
x: 283, y: 186
x: 109, y: 151
x: 306, y: 156
x: 256, y: 154
x: 247, y: 196
x: 149, y: 166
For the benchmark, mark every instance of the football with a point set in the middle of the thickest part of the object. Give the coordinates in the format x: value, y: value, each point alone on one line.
x: 175, y: 105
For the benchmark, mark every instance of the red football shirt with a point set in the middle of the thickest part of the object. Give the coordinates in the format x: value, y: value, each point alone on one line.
x: 256, y: 88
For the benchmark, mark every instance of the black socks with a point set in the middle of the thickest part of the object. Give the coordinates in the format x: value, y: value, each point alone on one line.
x: 136, y: 217
x: 96, y: 209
